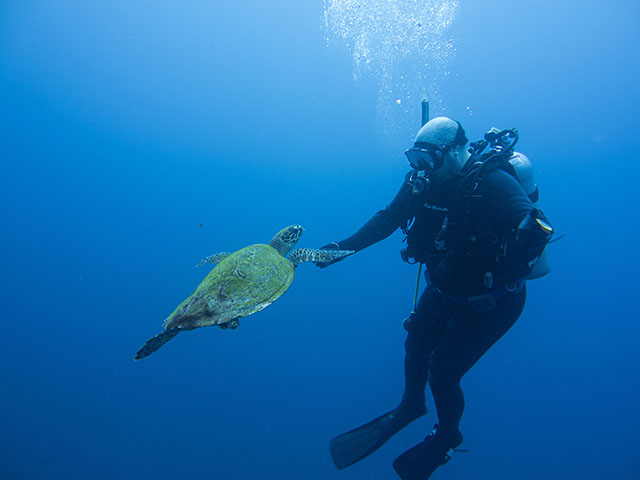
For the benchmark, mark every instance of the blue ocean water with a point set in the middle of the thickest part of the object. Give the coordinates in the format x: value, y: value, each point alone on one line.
x: 139, y: 137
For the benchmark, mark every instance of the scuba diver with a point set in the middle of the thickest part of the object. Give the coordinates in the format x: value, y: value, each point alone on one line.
x: 468, y: 219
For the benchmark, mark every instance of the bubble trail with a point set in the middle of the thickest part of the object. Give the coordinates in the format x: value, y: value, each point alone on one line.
x: 403, y: 45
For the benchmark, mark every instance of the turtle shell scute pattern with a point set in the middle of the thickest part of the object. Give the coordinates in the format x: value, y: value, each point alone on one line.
x: 243, y: 283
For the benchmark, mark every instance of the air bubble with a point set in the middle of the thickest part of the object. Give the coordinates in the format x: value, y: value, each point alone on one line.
x: 403, y: 45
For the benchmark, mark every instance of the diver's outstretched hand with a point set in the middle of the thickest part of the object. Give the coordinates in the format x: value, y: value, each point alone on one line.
x: 330, y: 246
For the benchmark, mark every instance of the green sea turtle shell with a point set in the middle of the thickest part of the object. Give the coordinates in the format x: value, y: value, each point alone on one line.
x: 242, y: 283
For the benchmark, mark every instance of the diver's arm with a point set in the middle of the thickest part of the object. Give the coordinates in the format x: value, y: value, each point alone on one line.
x: 382, y: 224
x: 378, y: 227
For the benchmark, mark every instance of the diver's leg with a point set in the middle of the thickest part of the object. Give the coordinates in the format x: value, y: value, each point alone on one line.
x: 468, y: 336
x: 449, y: 400
x: 424, y: 328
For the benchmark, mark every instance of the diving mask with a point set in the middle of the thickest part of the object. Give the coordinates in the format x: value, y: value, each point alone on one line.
x: 428, y: 157
x: 425, y: 157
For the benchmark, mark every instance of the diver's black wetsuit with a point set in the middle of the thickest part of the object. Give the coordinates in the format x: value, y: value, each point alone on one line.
x: 466, y: 236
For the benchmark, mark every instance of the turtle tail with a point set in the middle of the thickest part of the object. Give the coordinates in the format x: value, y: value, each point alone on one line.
x: 156, y: 342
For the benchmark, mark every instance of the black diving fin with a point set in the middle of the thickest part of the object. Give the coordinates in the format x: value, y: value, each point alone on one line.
x: 359, y: 443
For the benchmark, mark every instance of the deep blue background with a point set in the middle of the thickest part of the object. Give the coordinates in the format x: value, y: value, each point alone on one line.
x: 126, y: 125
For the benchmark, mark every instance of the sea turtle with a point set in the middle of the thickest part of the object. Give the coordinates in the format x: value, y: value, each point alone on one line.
x: 243, y: 282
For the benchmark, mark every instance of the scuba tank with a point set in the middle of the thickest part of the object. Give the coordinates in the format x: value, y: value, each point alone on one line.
x: 524, y: 174
x: 502, y: 142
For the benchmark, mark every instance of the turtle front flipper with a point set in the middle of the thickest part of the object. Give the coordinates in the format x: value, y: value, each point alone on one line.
x: 156, y: 342
x: 300, y: 255
x: 215, y: 258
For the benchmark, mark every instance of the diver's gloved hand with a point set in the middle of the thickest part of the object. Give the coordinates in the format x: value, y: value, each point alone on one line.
x: 329, y: 246
x: 528, y: 242
x: 534, y: 232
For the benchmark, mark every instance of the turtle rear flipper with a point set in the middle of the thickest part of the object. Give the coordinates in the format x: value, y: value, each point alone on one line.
x: 300, y: 255
x: 156, y: 342
x: 232, y: 324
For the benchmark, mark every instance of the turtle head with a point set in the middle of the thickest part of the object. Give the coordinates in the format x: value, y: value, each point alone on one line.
x: 287, y: 238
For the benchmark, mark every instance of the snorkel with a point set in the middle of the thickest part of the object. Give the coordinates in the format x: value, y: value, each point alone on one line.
x: 417, y: 179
